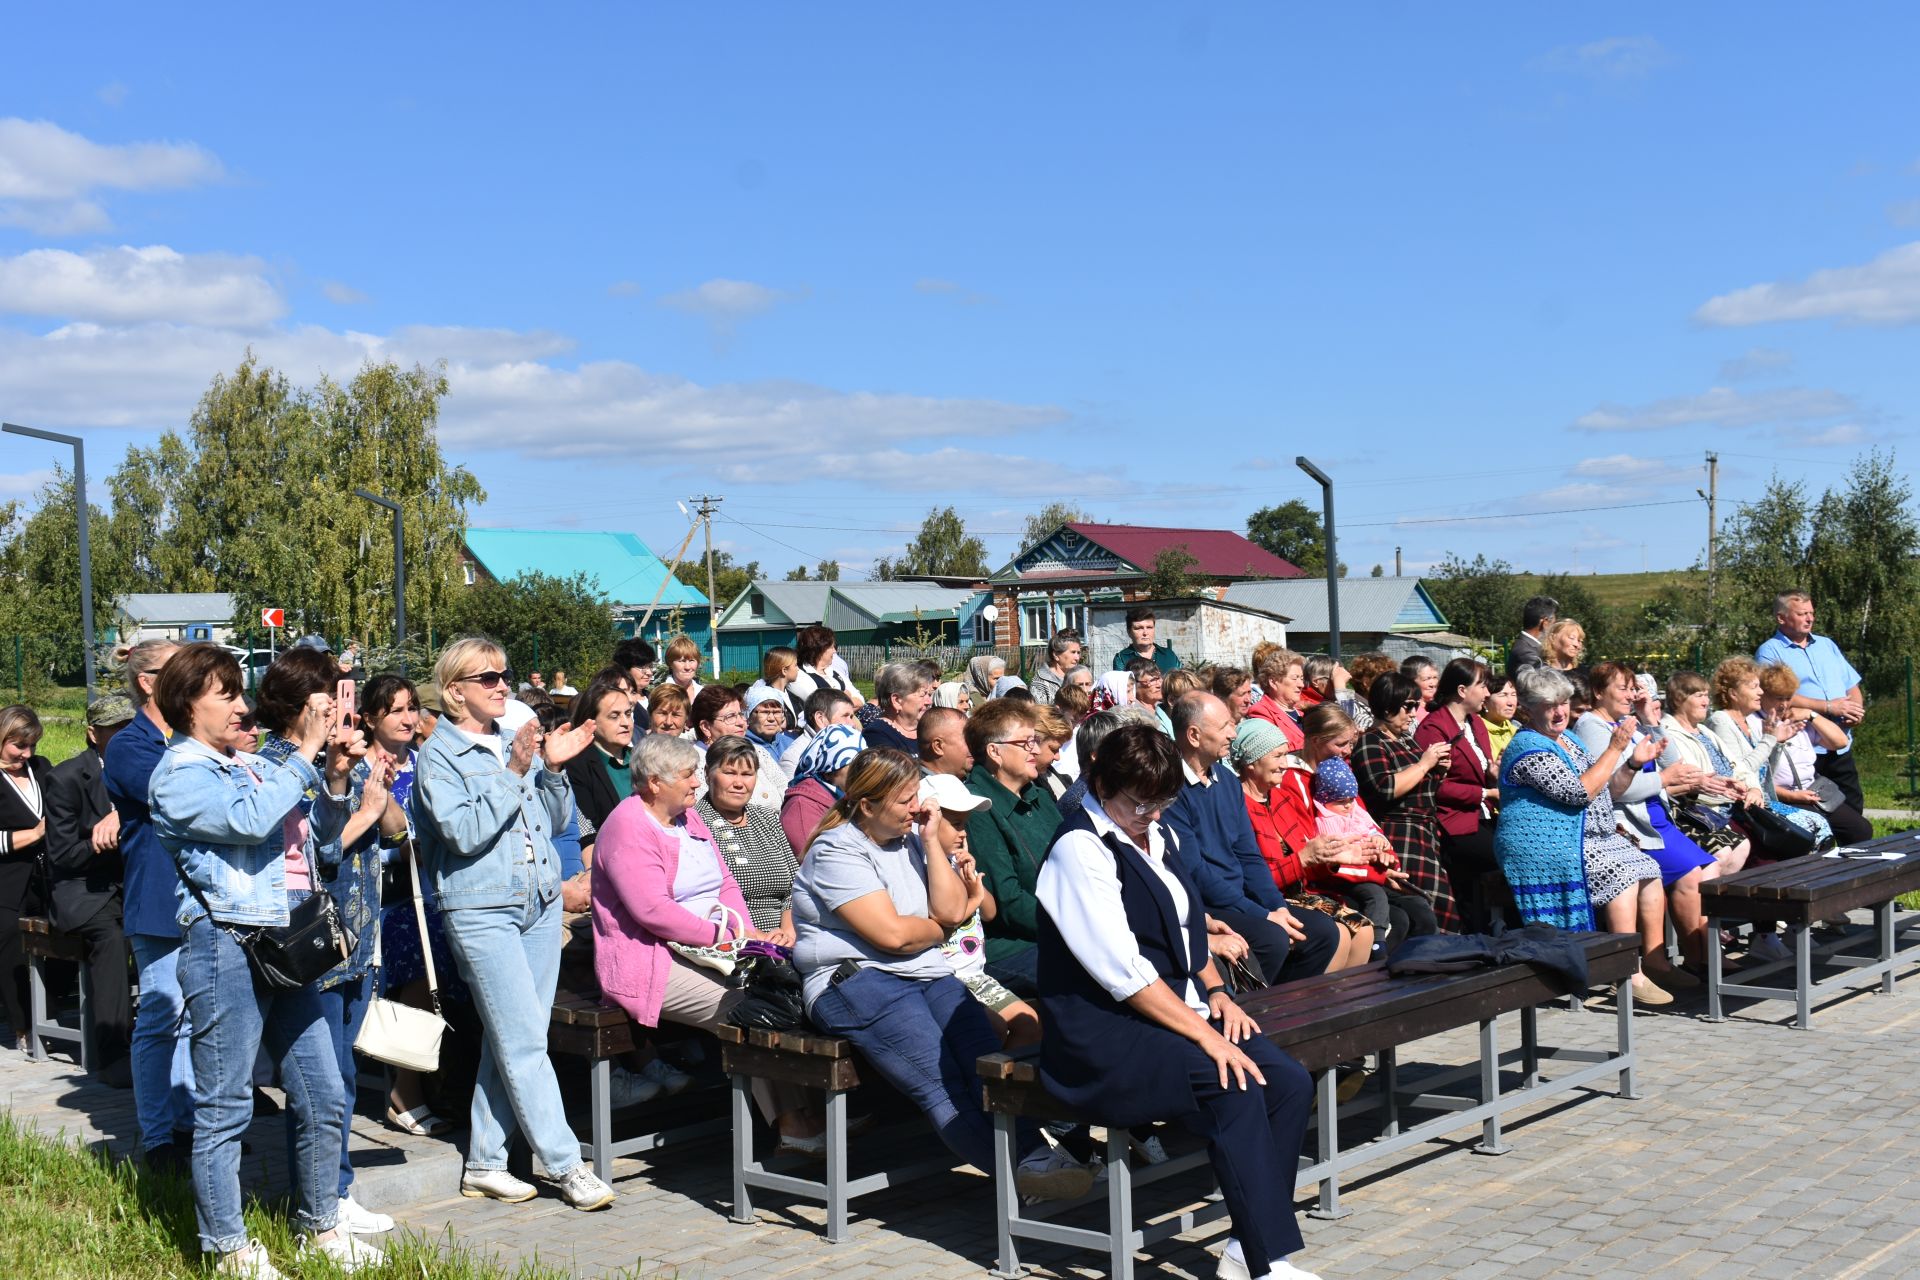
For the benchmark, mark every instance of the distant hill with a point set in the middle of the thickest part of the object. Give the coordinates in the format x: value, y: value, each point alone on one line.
x: 1630, y: 590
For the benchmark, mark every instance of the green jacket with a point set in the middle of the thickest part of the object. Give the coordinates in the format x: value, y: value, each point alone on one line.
x: 1162, y: 658
x: 1009, y: 842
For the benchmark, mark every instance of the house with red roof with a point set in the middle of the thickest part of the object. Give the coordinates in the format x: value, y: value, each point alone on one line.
x: 1054, y: 582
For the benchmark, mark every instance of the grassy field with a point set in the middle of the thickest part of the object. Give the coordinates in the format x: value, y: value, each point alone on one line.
x: 68, y: 1214
x: 1630, y: 590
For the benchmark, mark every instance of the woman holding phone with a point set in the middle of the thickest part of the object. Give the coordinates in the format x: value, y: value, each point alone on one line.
x: 1468, y: 790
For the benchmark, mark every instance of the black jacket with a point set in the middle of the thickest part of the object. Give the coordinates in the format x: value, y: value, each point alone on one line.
x: 1542, y: 944
x: 82, y: 881
x: 592, y: 789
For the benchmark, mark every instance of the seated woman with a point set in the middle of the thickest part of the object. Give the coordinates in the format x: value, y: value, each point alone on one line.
x: 819, y: 780
x: 1794, y: 779
x: 749, y: 838
x: 872, y: 906
x: 1707, y: 818
x: 1644, y: 796
x: 1496, y: 714
x: 954, y: 695
x: 1750, y: 744
x: 770, y: 723
x: 718, y: 713
x: 1556, y: 837
x: 1398, y: 782
x: 669, y: 710
x: 602, y: 774
x: 658, y: 879
x: 1139, y: 1025
x: 984, y: 673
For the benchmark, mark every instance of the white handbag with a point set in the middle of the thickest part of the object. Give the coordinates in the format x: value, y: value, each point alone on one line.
x: 722, y: 955
x: 399, y: 1034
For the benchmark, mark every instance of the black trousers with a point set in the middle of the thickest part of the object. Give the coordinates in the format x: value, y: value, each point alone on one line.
x: 1279, y: 957
x: 107, y: 971
x: 1839, y: 770
x: 1253, y: 1140
x: 1412, y: 916
x: 18, y: 873
x: 1849, y: 827
x: 1468, y: 859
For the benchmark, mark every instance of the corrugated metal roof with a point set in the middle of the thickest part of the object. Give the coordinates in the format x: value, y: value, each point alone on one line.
x: 1221, y: 553
x: 624, y: 570
x: 175, y: 607
x: 844, y: 604
x: 1366, y: 604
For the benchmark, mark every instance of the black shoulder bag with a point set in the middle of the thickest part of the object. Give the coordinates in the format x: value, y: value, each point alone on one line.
x: 287, y: 957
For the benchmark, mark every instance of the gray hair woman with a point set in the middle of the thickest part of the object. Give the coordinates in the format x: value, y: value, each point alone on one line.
x: 1556, y: 839
x: 902, y: 691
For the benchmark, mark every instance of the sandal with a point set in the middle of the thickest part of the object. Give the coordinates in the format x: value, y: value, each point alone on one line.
x: 421, y: 1122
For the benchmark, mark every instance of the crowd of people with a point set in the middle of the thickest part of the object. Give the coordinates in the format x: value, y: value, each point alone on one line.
x: 1099, y: 864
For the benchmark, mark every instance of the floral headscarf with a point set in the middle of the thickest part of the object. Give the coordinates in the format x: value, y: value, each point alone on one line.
x: 831, y: 750
x: 1333, y: 781
x: 1114, y: 689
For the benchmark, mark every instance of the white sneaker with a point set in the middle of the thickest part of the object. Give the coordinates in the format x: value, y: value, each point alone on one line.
x: 1233, y: 1263
x: 631, y: 1088
x: 1153, y: 1151
x: 495, y: 1184
x: 582, y: 1189
x: 346, y: 1251
x: 250, y: 1262
x: 1049, y: 1173
x: 663, y: 1073
x: 360, y: 1220
x: 1768, y: 947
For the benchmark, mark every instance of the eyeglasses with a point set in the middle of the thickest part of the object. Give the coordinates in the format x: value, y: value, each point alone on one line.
x: 1029, y: 745
x: 735, y: 714
x: 1142, y: 809
x: 485, y: 679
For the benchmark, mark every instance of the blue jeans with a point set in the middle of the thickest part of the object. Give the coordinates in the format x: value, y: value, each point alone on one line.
x: 162, y: 1049
x: 345, y: 1009
x: 510, y: 957
x: 924, y: 1038
x: 231, y: 1021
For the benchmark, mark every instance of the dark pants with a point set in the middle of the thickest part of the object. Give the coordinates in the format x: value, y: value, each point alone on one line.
x: 16, y: 887
x: 1253, y: 1139
x: 1839, y: 770
x: 1412, y: 916
x: 1848, y: 826
x: 1469, y: 860
x: 112, y: 999
x: 1279, y: 957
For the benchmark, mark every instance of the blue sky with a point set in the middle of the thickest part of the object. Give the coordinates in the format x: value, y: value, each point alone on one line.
x: 841, y: 263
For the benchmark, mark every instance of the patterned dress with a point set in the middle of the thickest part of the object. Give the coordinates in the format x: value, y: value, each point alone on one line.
x: 1411, y: 822
x: 1614, y: 864
x: 1538, y: 836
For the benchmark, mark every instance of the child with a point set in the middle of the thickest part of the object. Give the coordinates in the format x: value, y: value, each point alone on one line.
x: 949, y: 805
x: 1336, y: 803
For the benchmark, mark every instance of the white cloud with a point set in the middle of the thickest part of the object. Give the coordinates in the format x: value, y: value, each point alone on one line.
x: 343, y: 294
x: 1563, y: 496
x: 625, y: 289
x: 936, y: 287
x: 1626, y: 468
x: 944, y: 470
x: 48, y: 174
x: 723, y: 300
x: 1883, y: 291
x: 129, y: 285
x: 1755, y: 362
x: 1845, y: 433
x: 25, y: 484
x: 1722, y: 407
x: 1614, y: 58
x: 112, y: 93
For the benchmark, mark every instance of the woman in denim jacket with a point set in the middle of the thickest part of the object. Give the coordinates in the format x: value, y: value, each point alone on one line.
x: 485, y: 808
x: 221, y: 814
x: 347, y: 868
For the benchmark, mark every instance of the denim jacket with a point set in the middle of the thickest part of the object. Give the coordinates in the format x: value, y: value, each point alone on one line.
x: 223, y: 828
x: 484, y: 836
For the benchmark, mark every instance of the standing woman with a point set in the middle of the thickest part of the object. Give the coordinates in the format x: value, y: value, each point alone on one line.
x: 816, y: 649
x: 1426, y: 678
x: 485, y: 810
x: 1139, y: 1025
x: 777, y: 672
x: 223, y: 815
x: 1398, y: 781
x: 23, y: 835
x: 1469, y: 788
x: 600, y: 774
x: 683, y: 666
x: 1564, y: 647
x: 984, y: 673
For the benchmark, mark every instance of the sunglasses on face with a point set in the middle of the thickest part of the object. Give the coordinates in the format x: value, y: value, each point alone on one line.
x: 1414, y: 705
x: 485, y: 679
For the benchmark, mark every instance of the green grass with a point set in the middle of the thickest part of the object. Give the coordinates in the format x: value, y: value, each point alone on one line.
x: 67, y: 1213
x: 1631, y: 590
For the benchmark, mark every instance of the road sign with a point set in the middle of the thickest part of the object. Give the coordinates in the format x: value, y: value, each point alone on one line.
x: 273, y: 617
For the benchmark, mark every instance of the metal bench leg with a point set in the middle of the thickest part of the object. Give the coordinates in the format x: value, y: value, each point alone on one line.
x: 1005, y: 1196
x: 1624, y: 1027
x: 740, y: 1102
x: 1390, y: 1088
x: 1883, y: 925
x: 1803, y: 976
x: 1715, y: 961
x: 86, y: 1017
x: 1490, y: 1143
x: 36, y: 1008
x: 836, y: 1166
x: 1328, y: 1124
x: 601, y: 1102
x: 1119, y: 1207
x: 1530, y: 1045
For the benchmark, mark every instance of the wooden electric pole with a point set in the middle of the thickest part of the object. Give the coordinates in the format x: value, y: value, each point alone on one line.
x: 1712, y: 494
x: 707, y: 504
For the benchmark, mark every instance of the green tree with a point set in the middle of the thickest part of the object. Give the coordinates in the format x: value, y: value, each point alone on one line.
x: 1763, y: 550
x: 730, y: 578
x: 574, y: 627
x: 1171, y: 575
x: 1864, y: 575
x: 1577, y: 601
x: 1051, y: 517
x: 1379, y: 571
x: 942, y: 548
x: 1480, y: 598
x: 40, y: 578
x: 824, y: 571
x: 1293, y: 532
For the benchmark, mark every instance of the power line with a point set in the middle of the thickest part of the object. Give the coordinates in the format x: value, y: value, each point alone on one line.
x: 1517, y: 515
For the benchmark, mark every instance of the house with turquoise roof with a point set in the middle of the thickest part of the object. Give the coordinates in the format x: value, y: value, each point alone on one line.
x: 636, y: 584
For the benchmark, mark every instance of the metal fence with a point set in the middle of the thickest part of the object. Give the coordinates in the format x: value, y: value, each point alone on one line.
x: 865, y: 659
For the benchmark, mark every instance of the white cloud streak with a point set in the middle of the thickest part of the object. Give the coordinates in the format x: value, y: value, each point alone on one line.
x: 343, y: 294
x: 1722, y: 407
x: 1613, y: 58
x: 726, y: 299
x: 49, y: 174
x: 130, y: 285
x: 1885, y: 291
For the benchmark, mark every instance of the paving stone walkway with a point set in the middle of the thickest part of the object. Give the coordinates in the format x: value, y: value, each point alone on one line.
x: 1757, y: 1151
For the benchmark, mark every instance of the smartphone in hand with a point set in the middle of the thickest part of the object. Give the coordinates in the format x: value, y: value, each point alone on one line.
x: 345, y: 693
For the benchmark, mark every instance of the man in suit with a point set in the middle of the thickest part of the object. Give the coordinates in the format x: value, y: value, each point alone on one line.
x: 85, y: 871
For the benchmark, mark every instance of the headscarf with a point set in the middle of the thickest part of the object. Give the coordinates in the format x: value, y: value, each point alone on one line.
x: 948, y: 694
x: 831, y: 750
x: 980, y: 675
x: 1254, y: 740
x: 1113, y: 689
x: 1333, y: 781
x: 1005, y: 683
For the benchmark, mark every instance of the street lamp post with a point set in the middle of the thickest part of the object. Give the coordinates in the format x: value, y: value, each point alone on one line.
x: 399, y: 577
x: 1333, y: 558
x: 80, y: 522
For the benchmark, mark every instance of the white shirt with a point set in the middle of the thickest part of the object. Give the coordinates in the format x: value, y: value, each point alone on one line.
x: 1080, y: 889
x: 790, y: 758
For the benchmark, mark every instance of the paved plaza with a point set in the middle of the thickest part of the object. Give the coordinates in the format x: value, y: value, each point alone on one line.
x: 1756, y: 1151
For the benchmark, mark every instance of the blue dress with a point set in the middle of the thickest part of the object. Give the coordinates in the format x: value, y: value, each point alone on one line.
x: 1539, y: 841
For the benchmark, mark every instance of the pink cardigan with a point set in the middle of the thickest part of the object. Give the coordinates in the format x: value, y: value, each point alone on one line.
x: 634, y: 914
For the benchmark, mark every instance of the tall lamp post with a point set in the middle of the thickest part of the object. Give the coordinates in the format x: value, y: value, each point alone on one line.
x: 399, y: 577
x: 1333, y: 558
x: 80, y: 522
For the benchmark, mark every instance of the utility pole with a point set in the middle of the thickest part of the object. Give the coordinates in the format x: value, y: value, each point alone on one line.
x: 1712, y: 495
x: 1333, y: 557
x: 707, y: 504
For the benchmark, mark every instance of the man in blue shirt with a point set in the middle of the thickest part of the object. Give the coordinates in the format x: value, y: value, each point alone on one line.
x: 162, y: 1063
x: 1828, y: 684
x: 1218, y: 850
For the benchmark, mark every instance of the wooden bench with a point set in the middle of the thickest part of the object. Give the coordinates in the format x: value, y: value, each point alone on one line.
x: 42, y: 942
x: 820, y: 1063
x: 1801, y: 892
x: 1323, y: 1022
x: 590, y: 1027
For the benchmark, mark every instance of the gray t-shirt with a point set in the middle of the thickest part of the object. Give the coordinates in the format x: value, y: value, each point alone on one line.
x: 842, y: 865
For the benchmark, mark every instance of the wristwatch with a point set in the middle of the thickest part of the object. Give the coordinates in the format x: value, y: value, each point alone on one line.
x: 1220, y: 989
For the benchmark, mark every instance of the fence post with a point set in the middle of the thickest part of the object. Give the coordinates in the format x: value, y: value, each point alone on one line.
x: 20, y: 673
x: 1910, y: 760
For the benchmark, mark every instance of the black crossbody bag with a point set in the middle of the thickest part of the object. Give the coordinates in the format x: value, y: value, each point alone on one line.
x: 286, y: 957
